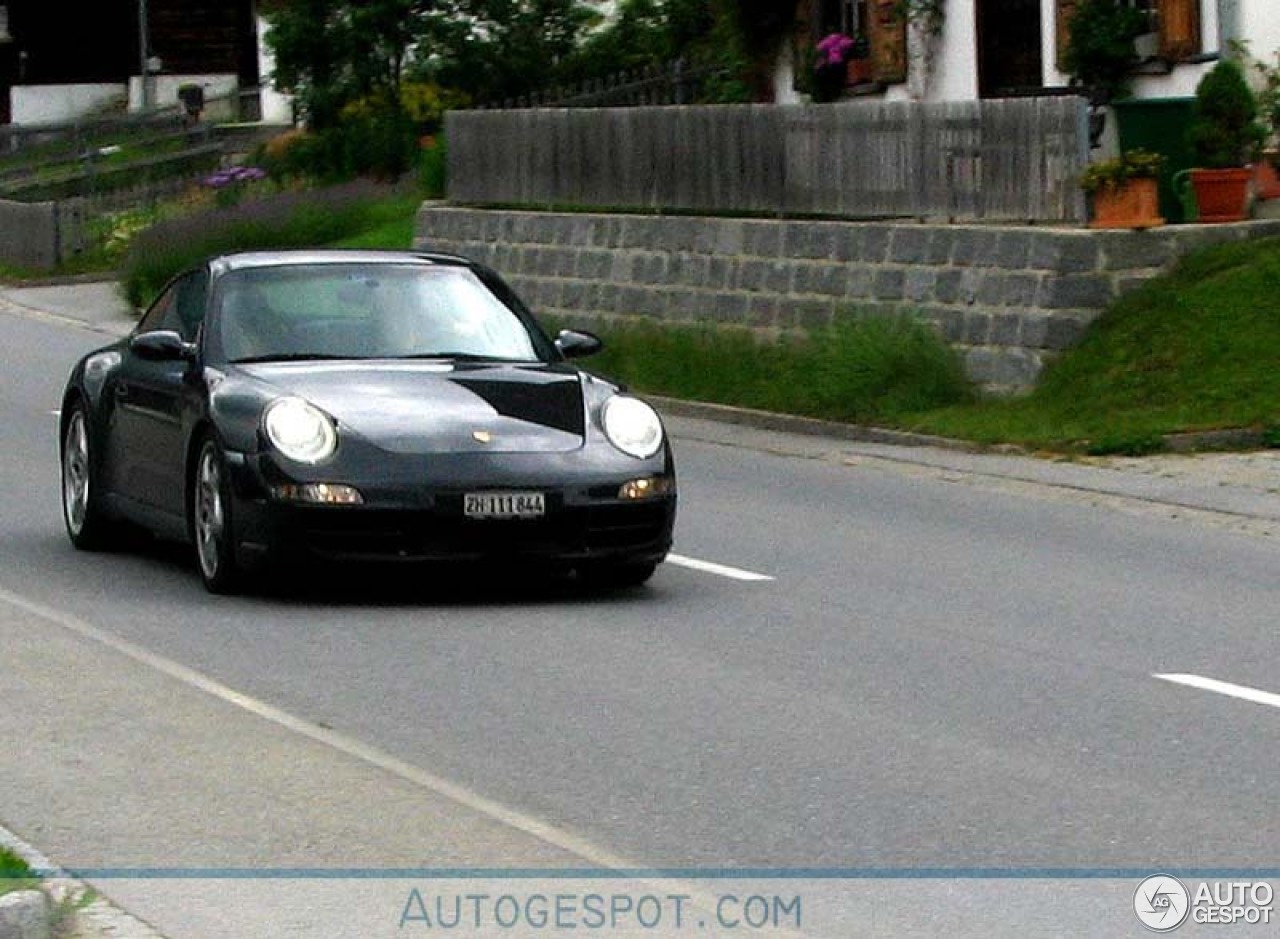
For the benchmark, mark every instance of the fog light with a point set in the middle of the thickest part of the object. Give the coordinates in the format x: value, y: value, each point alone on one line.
x: 319, y: 494
x: 646, y: 488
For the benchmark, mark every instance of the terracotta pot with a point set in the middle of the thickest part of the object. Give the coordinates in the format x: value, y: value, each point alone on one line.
x: 1266, y: 181
x: 1222, y: 195
x: 1136, y: 204
x: 858, y: 71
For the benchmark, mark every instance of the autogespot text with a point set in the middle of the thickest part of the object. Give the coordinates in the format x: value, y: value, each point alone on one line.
x: 600, y: 911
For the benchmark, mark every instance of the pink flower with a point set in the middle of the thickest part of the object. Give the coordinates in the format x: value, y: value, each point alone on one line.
x: 834, y: 49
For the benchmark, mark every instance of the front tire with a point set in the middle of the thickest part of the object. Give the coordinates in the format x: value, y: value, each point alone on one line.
x: 88, y: 526
x: 212, y: 522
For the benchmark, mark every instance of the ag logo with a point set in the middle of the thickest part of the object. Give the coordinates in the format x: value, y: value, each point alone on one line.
x: 1161, y: 902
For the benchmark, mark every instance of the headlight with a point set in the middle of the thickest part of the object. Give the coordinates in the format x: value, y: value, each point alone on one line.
x: 632, y: 426
x: 300, y: 431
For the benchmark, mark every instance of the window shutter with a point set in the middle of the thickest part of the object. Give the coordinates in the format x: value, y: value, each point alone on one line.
x: 888, y: 31
x: 1179, y: 29
x: 1066, y: 10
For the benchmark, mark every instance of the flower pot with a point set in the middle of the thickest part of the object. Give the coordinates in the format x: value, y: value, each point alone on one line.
x: 829, y: 82
x: 1136, y: 204
x: 1222, y: 195
x: 858, y: 71
x: 1266, y: 181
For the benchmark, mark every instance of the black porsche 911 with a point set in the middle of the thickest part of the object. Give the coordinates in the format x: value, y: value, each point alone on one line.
x: 361, y: 406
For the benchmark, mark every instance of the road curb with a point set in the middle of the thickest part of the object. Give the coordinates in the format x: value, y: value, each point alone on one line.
x: 1233, y: 438
x: 26, y: 914
x: 814, y: 427
x: 41, y: 913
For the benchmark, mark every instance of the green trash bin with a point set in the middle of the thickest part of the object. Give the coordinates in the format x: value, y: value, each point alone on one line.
x: 1160, y: 125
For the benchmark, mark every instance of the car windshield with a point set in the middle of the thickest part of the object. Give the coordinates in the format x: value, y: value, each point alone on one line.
x: 366, y: 311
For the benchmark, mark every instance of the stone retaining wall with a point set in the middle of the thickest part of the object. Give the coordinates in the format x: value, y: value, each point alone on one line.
x: 1008, y: 298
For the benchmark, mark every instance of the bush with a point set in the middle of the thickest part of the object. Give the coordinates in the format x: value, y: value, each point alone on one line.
x: 1111, y: 175
x: 1225, y: 132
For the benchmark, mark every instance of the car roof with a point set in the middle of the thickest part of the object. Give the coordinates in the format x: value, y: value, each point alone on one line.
x: 242, y: 260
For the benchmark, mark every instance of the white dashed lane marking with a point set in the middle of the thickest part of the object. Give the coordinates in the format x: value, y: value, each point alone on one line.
x: 1223, y: 687
x: 720, y: 570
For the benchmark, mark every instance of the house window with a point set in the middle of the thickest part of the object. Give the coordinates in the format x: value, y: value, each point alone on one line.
x: 1174, y: 23
x: 844, y: 16
x: 879, y: 22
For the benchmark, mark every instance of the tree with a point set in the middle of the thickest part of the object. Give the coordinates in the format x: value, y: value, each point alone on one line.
x: 308, y: 40
x: 495, y: 49
x: 332, y: 52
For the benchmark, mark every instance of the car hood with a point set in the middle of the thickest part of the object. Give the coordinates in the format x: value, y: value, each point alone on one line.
x: 433, y: 407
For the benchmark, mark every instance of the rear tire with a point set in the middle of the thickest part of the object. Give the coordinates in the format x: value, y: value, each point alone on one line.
x: 88, y: 526
x: 212, y: 522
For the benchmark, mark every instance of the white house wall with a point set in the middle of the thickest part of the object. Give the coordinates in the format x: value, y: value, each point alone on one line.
x: 952, y: 65
x: 277, y: 108
x: 164, y: 88
x: 1259, y: 20
x: 54, y: 104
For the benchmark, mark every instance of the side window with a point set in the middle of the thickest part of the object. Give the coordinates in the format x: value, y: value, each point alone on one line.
x: 162, y: 314
x: 192, y: 300
x: 180, y: 308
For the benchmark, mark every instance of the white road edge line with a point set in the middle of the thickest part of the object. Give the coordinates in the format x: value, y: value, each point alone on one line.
x: 513, y: 818
x: 1223, y: 687
x: 722, y: 570
x: 350, y: 746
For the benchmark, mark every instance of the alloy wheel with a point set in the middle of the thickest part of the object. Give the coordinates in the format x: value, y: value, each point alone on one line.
x: 210, y: 514
x: 75, y: 473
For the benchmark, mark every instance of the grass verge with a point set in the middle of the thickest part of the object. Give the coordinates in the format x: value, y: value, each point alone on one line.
x: 15, y: 873
x: 861, y: 370
x: 1195, y: 350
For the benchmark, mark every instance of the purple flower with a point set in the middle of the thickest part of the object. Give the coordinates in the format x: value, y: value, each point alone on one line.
x: 234, y: 174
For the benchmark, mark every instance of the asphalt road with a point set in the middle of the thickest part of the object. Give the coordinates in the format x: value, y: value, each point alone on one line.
x: 929, y: 672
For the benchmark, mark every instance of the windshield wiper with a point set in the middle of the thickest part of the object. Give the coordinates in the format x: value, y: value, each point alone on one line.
x: 292, y: 357
x: 460, y: 357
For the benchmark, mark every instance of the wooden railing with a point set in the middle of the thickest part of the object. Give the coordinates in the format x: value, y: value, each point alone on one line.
x: 675, y: 82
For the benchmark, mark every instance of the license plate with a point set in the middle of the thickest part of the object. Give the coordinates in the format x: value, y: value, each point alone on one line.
x: 504, y: 505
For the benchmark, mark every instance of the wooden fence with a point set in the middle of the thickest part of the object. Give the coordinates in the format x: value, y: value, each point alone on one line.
x: 1001, y: 160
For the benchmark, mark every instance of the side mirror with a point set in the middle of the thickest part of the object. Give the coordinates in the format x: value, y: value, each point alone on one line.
x: 161, y: 345
x: 574, y: 344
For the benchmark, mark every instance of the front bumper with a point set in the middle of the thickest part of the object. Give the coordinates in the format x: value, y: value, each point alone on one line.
x: 585, y: 522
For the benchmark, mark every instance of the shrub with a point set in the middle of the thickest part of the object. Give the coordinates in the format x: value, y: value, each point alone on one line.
x: 1225, y: 132
x: 1114, y: 173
